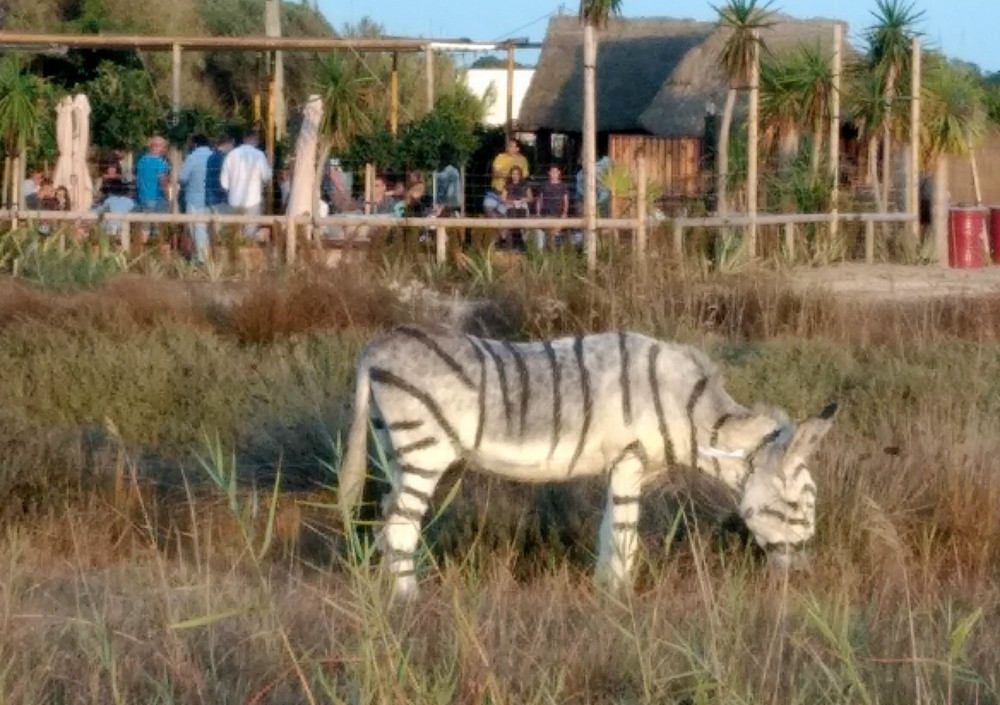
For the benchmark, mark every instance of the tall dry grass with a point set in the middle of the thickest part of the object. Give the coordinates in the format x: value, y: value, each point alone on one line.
x: 147, y: 555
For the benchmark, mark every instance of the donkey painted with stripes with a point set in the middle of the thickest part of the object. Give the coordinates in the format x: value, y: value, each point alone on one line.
x: 618, y: 403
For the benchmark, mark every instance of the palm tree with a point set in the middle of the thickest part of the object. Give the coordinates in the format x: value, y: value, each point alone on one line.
x: 780, y: 111
x: 795, y: 94
x: 954, y: 123
x: 742, y: 20
x: 866, y: 109
x: 594, y: 14
x: 347, y: 100
x: 21, y: 116
x: 889, y: 51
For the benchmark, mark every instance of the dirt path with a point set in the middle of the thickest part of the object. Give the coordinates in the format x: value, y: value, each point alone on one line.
x: 897, y: 281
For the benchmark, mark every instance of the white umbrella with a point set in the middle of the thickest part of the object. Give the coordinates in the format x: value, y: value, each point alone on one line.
x: 64, y: 142
x: 300, y: 197
x: 82, y: 190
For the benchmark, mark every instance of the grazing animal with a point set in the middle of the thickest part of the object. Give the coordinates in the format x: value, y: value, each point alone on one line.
x: 618, y: 403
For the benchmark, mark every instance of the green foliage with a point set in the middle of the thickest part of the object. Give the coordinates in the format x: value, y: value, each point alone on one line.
x: 597, y: 12
x: 192, y: 120
x: 43, y: 262
x: 955, y: 111
x: 378, y: 147
x: 446, y: 135
x: 125, y: 110
x: 740, y: 19
x: 347, y: 100
x: 21, y: 104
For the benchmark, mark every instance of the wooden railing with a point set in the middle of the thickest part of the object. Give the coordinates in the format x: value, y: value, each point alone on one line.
x: 281, y: 224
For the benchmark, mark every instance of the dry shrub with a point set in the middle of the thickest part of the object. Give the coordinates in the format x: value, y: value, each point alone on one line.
x: 342, y: 299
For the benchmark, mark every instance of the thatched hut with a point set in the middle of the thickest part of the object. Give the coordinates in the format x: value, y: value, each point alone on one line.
x: 658, y: 88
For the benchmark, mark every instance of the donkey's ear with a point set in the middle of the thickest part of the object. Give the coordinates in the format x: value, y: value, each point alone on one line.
x: 809, y: 433
x: 748, y: 432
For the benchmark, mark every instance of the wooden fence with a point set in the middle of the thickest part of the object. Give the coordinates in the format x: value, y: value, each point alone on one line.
x: 304, y: 226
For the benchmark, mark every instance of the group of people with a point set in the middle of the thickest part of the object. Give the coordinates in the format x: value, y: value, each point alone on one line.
x: 213, y: 178
x: 512, y: 195
x: 219, y: 177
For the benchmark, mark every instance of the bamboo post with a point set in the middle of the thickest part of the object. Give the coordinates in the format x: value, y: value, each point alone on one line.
x: 291, y: 238
x: 175, y: 76
x: 752, y: 138
x: 369, y: 187
x: 510, y: 91
x: 870, y: 242
x: 269, y: 137
x: 640, y: 206
x: 590, y: 146
x: 913, y: 173
x: 429, y: 70
x: 175, y: 107
x: 461, y: 190
x: 678, y: 240
x: 394, y: 95
x: 441, y: 244
x: 789, y: 231
x: 838, y: 44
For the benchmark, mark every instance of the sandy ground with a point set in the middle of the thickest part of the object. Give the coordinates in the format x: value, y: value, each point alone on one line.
x: 898, y: 281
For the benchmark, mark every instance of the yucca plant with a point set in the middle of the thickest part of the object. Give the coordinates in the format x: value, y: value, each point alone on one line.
x: 21, y: 117
x: 741, y: 21
x: 889, y: 56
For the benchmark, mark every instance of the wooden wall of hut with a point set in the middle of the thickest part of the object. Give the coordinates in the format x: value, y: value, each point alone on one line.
x: 672, y: 163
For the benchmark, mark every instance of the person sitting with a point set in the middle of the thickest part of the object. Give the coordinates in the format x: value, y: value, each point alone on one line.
x: 116, y: 201
x: 553, y: 202
x: 517, y: 198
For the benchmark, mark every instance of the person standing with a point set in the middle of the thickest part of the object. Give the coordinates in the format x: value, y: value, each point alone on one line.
x: 193, y: 179
x: 244, y: 172
x: 152, y: 176
x: 216, y: 197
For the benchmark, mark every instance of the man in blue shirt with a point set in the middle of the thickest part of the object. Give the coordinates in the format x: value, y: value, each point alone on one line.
x: 193, y: 179
x: 152, y: 178
x: 216, y: 197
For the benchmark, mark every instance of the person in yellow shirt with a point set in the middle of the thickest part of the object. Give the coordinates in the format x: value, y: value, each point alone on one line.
x: 507, y: 160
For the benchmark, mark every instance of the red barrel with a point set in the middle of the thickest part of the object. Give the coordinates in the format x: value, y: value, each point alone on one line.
x: 966, y: 237
x: 995, y: 234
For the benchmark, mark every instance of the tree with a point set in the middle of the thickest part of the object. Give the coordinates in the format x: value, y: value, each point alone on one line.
x: 742, y: 21
x: 889, y: 51
x: 125, y: 109
x: 21, y: 118
x: 347, y: 101
x: 954, y: 123
x: 594, y: 14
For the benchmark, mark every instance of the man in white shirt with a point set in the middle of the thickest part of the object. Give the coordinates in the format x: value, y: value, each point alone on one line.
x: 244, y: 173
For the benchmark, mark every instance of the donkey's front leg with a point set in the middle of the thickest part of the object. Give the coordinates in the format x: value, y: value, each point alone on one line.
x: 619, y: 537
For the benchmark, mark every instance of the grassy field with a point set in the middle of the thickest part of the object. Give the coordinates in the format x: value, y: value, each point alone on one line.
x: 146, y: 556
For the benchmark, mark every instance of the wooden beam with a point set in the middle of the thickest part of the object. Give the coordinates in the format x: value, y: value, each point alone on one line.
x: 752, y: 139
x: 429, y: 75
x: 46, y: 41
x: 175, y: 76
x: 640, y: 206
x: 836, y: 69
x: 510, y: 92
x: 394, y: 95
x: 913, y: 173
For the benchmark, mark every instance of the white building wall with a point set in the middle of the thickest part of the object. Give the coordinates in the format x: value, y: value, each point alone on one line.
x: 480, y: 80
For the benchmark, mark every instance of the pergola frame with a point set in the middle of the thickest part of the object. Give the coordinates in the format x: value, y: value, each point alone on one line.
x: 178, y: 44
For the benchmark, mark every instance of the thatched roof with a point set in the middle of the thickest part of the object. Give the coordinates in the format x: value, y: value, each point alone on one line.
x: 654, y: 75
x: 634, y: 56
x: 679, y: 108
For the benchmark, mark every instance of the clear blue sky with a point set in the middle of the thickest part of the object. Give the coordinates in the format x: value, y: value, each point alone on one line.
x: 964, y: 29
